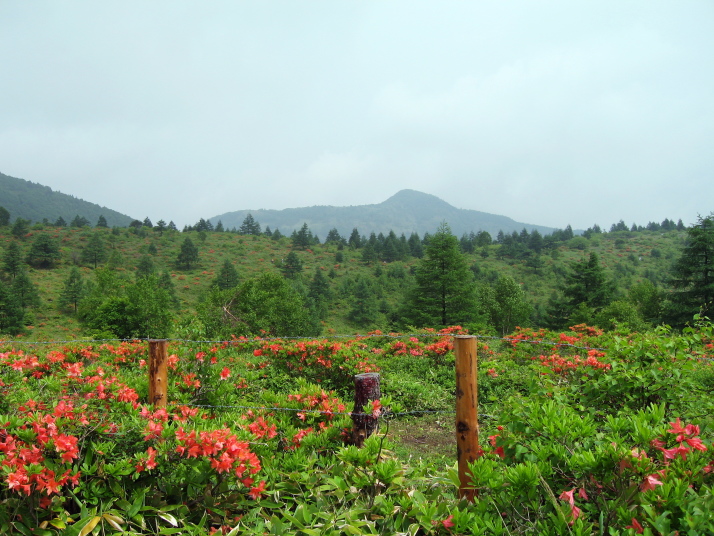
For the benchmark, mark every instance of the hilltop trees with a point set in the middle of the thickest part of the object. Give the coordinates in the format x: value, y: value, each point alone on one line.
x: 444, y: 292
x: 250, y: 226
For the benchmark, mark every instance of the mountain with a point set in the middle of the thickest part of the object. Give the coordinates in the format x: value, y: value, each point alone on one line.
x: 405, y: 212
x: 30, y: 201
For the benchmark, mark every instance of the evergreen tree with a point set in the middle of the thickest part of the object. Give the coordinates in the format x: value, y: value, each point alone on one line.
x: 102, y: 222
x: 164, y: 282
x: 227, y: 277
x: 73, y: 290
x: 94, y: 252
x: 219, y: 227
x: 44, y: 252
x: 12, y: 260
x: 587, y: 285
x: 79, y: 221
x: 188, y: 254
x: 291, y: 266
x: 250, y: 226
x: 693, y: 274
x: 145, y: 267
x: 147, y: 223
x: 355, y: 241
x: 26, y: 292
x: 20, y: 228
x: 319, y: 292
x: 172, y: 226
x: 444, y: 292
x: 59, y: 222
x: 333, y: 236
x: 160, y: 227
x: 11, y: 314
x: 4, y: 217
x: 303, y: 238
x: 364, y: 311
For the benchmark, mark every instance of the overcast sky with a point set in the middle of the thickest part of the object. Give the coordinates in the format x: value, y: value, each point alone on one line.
x: 551, y: 113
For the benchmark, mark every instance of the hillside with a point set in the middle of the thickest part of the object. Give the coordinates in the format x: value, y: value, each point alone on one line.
x: 405, y: 212
x: 627, y: 258
x: 34, y: 202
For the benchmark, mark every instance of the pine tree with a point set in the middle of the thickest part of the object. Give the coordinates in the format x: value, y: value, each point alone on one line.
x: 364, y: 311
x: 320, y: 292
x: 74, y: 289
x: 12, y: 260
x: 4, y: 217
x: 44, y: 252
x: 11, y: 314
x: 94, y: 252
x: 444, y: 292
x: 20, y: 227
x: 145, y: 267
x: 291, y: 266
x: 227, y: 277
x: 188, y: 254
x: 250, y: 226
x: 102, y: 222
x: 25, y: 290
x: 587, y: 284
x: 693, y: 274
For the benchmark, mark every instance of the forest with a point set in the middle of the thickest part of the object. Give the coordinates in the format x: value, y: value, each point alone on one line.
x: 70, y: 279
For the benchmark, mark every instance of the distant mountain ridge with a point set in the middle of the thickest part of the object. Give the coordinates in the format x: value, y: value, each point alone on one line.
x: 405, y: 212
x: 30, y: 201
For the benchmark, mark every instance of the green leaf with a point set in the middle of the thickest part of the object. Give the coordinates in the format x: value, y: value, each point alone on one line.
x: 168, y: 517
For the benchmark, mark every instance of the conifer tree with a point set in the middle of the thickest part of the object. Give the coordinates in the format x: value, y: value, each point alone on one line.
x: 145, y: 267
x: 227, y: 277
x: 364, y: 311
x: 25, y: 290
x: 4, y: 217
x: 444, y: 292
x: 291, y: 266
x: 11, y: 314
x: 693, y: 274
x: 94, y: 252
x: 188, y: 254
x: 102, y: 222
x: 44, y: 252
x: 12, y: 260
x: 73, y: 290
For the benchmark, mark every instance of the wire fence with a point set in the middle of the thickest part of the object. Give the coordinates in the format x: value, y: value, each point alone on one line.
x: 386, y: 414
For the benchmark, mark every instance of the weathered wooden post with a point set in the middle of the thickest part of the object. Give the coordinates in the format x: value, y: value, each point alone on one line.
x: 467, y: 448
x: 158, y: 373
x: 366, y: 390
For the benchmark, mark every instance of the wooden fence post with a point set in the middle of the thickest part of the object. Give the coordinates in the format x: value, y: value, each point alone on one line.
x: 366, y: 390
x: 158, y: 373
x: 467, y: 447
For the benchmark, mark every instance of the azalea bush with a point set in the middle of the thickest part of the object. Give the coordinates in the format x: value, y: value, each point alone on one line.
x: 585, y: 433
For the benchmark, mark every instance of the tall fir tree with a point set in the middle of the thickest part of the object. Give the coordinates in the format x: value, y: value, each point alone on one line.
x: 227, y: 277
x: 693, y: 275
x: 11, y: 314
x: 44, y: 252
x: 12, y: 260
x: 188, y: 254
x: 26, y: 292
x: 94, y: 252
x: 73, y: 290
x: 445, y: 292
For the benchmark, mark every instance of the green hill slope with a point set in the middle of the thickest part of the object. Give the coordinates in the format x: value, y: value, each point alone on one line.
x: 30, y: 201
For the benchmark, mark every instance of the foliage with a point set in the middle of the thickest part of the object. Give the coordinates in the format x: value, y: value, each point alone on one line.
x: 11, y: 313
x: 73, y: 290
x: 505, y: 305
x: 188, y: 254
x: 44, y: 252
x: 693, y: 274
x: 94, y: 252
x: 228, y: 276
x: 444, y: 291
x: 12, y: 260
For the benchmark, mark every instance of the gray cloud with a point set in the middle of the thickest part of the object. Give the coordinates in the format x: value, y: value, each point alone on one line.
x: 550, y: 113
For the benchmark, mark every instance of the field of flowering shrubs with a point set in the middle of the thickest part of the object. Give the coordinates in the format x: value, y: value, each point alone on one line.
x: 582, y: 433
